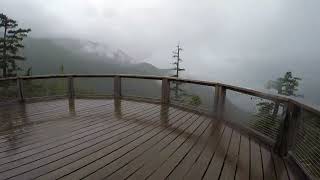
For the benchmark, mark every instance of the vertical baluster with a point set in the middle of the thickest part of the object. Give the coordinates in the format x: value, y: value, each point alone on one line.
x: 288, y: 129
x: 20, y: 89
x: 219, y: 101
x: 216, y: 100
x: 165, y: 93
x: 71, y: 87
x: 117, y: 86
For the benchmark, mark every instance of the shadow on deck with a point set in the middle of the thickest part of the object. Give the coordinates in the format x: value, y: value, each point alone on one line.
x: 109, y: 139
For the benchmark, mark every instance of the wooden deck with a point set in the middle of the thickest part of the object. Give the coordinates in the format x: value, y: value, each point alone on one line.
x: 107, y: 139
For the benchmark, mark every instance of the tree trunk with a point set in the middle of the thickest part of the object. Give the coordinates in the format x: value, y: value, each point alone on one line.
x: 275, y: 110
x: 276, y: 105
x: 4, y: 68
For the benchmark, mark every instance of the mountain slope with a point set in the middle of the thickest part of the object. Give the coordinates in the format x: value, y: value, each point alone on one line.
x: 45, y: 56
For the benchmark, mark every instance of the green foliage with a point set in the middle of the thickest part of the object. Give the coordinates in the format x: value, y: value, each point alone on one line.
x: 61, y: 70
x: 28, y: 72
x: 195, y: 100
x: 33, y: 88
x: 287, y: 85
x: 265, y: 117
x: 8, y: 89
x: 183, y: 95
x: 178, y: 91
x: 267, y: 112
x: 265, y: 108
x: 10, y: 45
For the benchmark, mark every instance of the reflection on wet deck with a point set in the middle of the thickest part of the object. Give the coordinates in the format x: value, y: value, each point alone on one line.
x: 121, y: 139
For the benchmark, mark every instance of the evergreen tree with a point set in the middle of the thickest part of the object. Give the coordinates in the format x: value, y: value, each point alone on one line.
x: 268, y: 111
x: 10, y: 44
x: 178, y: 91
x: 176, y: 55
x: 181, y: 94
x: 177, y: 60
x: 287, y: 85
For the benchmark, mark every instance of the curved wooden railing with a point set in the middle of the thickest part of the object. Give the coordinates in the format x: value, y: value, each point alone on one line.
x: 298, y: 125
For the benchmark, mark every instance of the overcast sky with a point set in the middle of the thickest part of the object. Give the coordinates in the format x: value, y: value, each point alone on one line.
x: 221, y: 38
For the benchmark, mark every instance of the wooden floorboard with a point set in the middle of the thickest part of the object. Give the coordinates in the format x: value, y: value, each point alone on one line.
x: 25, y: 113
x: 127, y: 165
x: 74, y: 121
x: 243, y: 164
x: 230, y: 163
x: 123, y: 139
x: 162, y: 141
x: 86, y: 111
x: 216, y: 163
x: 51, y: 140
x: 174, y: 160
x: 256, y: 171
x: 187, y: 162
x: 280, y: 168
x: 268, y: 165
x: 152, y: 165
x: 74, y: 127
x: 53, y: 148
x: 95, y: 160
x: 47, y: 116
x: 201, y: 165
x: 47, y: 164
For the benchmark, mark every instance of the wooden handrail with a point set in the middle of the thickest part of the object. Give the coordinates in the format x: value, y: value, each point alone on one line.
x: 117, y: 87
x: 248, y: 91
x: 307, y: 106
x: 165, y: 91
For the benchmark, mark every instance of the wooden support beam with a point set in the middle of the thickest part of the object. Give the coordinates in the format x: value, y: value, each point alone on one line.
x: 72, y: 107
x: 216, y: 100
x: 71, y: 91
x: 20, y: 89
x: 288, y: 130
x: 165, y: 93
x: 294, y: 126
x: 219, y: 101
x: 117, y: 86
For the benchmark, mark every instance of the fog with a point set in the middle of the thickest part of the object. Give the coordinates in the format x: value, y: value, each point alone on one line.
x: 244, y: 42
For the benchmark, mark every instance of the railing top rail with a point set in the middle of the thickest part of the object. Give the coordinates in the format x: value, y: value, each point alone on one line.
x: 307, y: 106
x: 265, y: 95
x: 8, y: 79
x: 248, y: 91
x: 84, y: 76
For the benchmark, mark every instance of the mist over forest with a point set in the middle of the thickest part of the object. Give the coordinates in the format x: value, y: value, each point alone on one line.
x: 244, y: 43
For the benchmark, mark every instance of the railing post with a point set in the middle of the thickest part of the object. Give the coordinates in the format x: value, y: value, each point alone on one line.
x: 71, y: 87
x: 216, y: 100
x: 165, y: 93
x: 117, y: 86
x: 20, y: 89
x: 288, y: 129
x: 219, y: 101
x: 294, y: 126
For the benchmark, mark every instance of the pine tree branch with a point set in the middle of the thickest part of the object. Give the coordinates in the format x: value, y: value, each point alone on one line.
x: 17, y: 57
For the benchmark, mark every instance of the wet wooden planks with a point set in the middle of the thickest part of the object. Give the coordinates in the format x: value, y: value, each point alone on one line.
x: 113, y: 139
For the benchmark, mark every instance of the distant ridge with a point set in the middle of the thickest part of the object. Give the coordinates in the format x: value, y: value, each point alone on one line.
x: 46, y: 55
